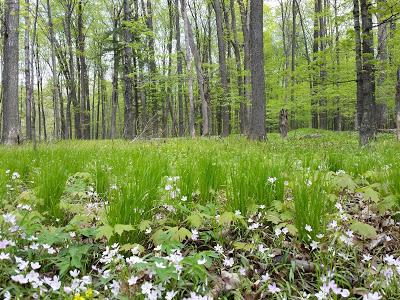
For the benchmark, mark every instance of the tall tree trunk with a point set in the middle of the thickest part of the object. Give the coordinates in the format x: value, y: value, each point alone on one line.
x: 11, y: 126
x: 315, y: 92
x: 368, y: 123
x: 84, y: 77
x: 293, y: 65
x: 383, y: 58
x: 55, y: 91
x: 358, y: 51
x: 235, y: 42
x: 116, y: 59
x: 244, y: 16
x: 200, y: 78
x: 323, y: 113
x: 28, y: 81
x: 189, y: 76
x: 181, y: 121
x: 71, y: 70
x: 257, y: 128
x: 338, y: 115
x: 223, y: 71
x: 33, y: 57
x: 129, y: 124
x: 153, y: 71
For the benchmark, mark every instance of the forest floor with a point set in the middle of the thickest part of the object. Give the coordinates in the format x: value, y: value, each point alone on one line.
x: 312, y: 217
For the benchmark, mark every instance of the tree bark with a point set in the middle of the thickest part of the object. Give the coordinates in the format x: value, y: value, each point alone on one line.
x: 28, y: 81
x: 186, y: 23
x: 223, y: 71
x: 181, y: 121
x: 116, y: 59
x: 11, y: 126
x: 55, y: 83
x: 84, y: 77
x: 368, y: 122
x: 257, y: 129
x: 199, y: 71
x: 129, y: 124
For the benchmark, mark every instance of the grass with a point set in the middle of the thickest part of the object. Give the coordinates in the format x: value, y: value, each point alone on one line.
x: 259, y: 210
x: 232, y: 172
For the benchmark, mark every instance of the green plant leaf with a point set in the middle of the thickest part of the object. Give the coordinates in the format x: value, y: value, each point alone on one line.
x: 120, y: 228
x: 365, y: 230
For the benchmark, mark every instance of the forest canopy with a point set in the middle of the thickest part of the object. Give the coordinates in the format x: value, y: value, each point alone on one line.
x: 85, y: 69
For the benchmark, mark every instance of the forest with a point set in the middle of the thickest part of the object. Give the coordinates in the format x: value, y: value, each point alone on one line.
x: 200, y: 149
x: 137, y: 69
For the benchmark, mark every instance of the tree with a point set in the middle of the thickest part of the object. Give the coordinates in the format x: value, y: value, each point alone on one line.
x: 199, y: 71
x: 188, y: 68
x: 223, y: 71
x: 368, y: 125
x: 11, y: 124
x: 257, y: 127
x: 28, y: 81
x: 57, y: 121
x: 129, y: 124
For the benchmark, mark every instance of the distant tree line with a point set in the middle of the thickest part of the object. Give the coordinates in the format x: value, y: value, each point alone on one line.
x: 107, y: 69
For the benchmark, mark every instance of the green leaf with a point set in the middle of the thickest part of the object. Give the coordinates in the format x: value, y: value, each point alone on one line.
x: 106, y: 231
x: 195, y: 220
x: 144, y: 225
x: 387, y: 204
x: 365, y: 230
x: 273, y: 217
x: 120, y: 228
x: 226, y: 218
x: 370, y: 194
x: 243, y: 246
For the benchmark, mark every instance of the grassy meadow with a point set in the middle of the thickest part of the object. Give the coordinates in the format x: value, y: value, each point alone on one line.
x: 311, y: 217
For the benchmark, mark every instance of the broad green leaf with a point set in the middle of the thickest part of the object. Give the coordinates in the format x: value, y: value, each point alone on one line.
x: 365, y: 230
x: 106, y: 231
x: 120, y: 228
x: 370, y: 194
x: 195, y: 220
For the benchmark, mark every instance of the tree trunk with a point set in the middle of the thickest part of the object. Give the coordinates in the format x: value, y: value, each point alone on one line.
x: 242, y: 110
x: 223, y: 71
x: 246, y: 55
x: 293, y: 64
x: 358, y: 50
x: 368, y: 125
x: 200, y: 78
x: 11, y: 126
x: 189, y: 69
x: 56, y: 102
x: 181, y: 120
x: 116, y: 59
x: 28, y: 81
x: 84, y: 77
x: 315, y: 92
x: 71, y: 70
x: 129, y: 124
x: 257, y: 128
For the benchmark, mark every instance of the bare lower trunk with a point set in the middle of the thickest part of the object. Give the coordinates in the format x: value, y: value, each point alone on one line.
x: 257, y: 128
x: 223, y: 71
x: 55, y: 91
x: 11, y: 125
x: 114, y: 97
x: 189, y: 70
x: 199, y: 71
x: 28, y: 81
x: 129, y: 129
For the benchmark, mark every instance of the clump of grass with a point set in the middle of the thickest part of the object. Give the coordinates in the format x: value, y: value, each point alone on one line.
x: 311, y: 205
